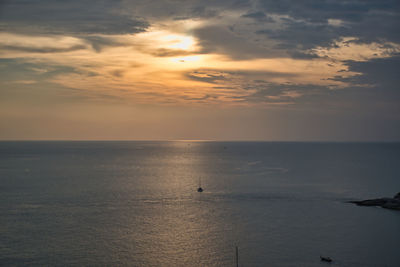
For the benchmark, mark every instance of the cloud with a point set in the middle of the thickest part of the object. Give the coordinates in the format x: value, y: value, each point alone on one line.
x: 159, y: 10
x: 321, y: 11
x: 258, y: 16
x: 29, y: 49
x: 209, y: 76
x: 300, y: 36
x: 308, y: 23
x: 293, y: 28
x: 220, y: 75
x: 28, y: 44
x: 262, y: 91
x: 98, y: 43
x: 22, y: 69
x: 165, y: 52
x: 284, y: 27
x: 224, y: 40
x: 256, y: 87
x: 117, y: 73
x: 352, y: 49
x: 205, y: 97
x: 381, y: 73
x: 325, y: 66
x: 75, y: 17
x: 298, y: 48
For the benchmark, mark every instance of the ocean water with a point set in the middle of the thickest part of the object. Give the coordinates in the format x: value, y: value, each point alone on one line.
x: 135, y: 204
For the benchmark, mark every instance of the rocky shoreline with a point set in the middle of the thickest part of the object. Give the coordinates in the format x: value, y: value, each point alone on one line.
x: 387, y: 203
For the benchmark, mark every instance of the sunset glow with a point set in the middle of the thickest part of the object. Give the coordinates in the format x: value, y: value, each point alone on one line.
x: 199, y: 133
x: 228, y: 59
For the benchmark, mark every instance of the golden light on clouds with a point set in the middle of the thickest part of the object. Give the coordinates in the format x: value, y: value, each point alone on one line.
x: 178, y: 41
x: 130, y: 59
x: 349, y: 49
x: 161, y: 65
x: 189, y: 59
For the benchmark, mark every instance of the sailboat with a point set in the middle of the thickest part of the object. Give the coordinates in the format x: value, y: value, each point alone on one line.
x: 199, y: 189
x: 237, y: 257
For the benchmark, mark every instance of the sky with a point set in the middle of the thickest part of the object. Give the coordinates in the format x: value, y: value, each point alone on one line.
x: 299, y: 70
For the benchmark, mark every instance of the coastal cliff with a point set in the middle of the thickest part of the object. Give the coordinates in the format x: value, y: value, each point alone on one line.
x: 387, y: 203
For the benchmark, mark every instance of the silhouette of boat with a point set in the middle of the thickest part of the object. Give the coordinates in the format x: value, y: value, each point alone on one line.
x: 199, y: 189
x: 326, y: 259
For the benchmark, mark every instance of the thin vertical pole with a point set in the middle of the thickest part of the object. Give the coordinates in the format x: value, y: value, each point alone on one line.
x: 237, y: 257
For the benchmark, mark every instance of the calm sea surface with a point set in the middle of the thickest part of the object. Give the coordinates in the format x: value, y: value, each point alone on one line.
x: 135, y: 204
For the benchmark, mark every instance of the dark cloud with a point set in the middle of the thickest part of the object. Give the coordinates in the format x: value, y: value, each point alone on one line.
x: 309, y: 24
x: 258, y: 16
x: 382, y: 98
x: 255, y: 15
x: 298, y: 54
x: 302, y: 25
x: 118, y: 73
x: 209, y: 76
x: 306, y: 23
x: 321, y: 11
x: 260, y: 90
x: 164, y: 52
x: 218, y: 76
x: 223, y: 40
x: 378, y: 27
x: 98, y: 43
x: 21, y: 69
x: 31, y: 49
x: 382, y: 73
x: 297, y: 36
x: 187, y: 9
x: 75, y: 16
x: 205, y: 97
x: 374, y: 91
x: 203, y: 12
x: 268, y: 92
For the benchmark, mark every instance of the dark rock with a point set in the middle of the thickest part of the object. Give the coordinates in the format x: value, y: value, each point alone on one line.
x: 326, y: 259
x: 392, y: 204
x: 372, y: 202
x: 387, y: 203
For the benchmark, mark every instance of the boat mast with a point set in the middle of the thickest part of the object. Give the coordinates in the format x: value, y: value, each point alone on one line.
x: 237, y: 257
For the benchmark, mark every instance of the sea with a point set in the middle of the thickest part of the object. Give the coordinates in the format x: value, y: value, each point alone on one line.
x: 135, y: 203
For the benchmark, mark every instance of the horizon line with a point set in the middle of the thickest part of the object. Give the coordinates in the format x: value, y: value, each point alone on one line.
x: 199, y: 140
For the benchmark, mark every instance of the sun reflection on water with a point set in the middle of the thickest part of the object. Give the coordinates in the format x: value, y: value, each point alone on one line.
x: 176, y: 225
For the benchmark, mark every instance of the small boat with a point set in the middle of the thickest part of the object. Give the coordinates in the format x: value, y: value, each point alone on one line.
x: 326, y: 259
x: 199, y: 189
